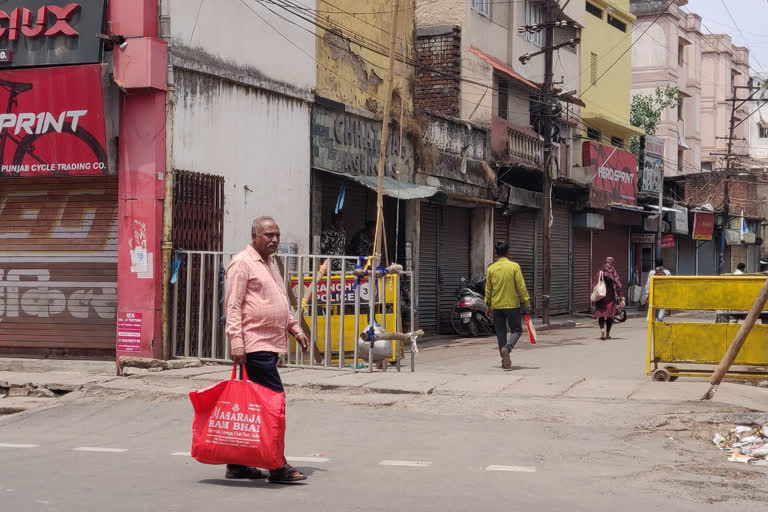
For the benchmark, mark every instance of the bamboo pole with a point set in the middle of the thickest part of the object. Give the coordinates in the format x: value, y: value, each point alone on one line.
x: 738, y: 341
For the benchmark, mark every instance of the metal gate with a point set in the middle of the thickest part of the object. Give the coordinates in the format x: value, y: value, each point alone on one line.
x: 522, y: 246
x: 198, y: 225
x: 581, y: 270
x: 559, y: 262
x: 738, y: 255
x: 686, y: 256
x: 706, y: 263
x: 453, y: 260
x: 428, y: 265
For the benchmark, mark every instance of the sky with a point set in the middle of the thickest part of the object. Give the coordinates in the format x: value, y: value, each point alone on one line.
x: 749, y: 29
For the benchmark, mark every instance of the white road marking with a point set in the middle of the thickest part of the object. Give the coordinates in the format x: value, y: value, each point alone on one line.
x: 13, y: 445
x: 96, y: 449
x: 409, y: 463
x: 307, y: 459
x: 182, y: 454
x: 518, y: 469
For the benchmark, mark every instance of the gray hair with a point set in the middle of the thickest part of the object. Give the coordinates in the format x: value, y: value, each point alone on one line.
x: 256, y: 226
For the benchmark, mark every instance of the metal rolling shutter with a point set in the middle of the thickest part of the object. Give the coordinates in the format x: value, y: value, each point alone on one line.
x: 500, y: 226
x: 58, y: 266
x: 738, y: 255
x: 453, y: 258
x: 705, y: 254
x: 428, y: 264
x: 559, y: 262
x: 522, y: 245
x: 612, y: 241
x: 582, y: 270
x: 686, y: 256
x: 753, y: 255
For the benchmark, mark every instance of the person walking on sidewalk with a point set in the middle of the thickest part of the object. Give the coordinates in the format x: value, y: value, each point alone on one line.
x: 258, y: 321
x: 605, y: 308
x: 505, y: 292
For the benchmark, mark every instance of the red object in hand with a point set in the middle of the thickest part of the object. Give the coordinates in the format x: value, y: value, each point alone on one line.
x: 238, y: 422
x: 531, y: 329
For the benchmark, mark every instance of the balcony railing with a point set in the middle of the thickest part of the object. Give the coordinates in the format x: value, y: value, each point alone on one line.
x: 524, y: 146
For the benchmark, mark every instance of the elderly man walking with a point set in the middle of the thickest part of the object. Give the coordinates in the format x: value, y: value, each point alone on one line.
x: 505, y: 292
x: 258, y: 322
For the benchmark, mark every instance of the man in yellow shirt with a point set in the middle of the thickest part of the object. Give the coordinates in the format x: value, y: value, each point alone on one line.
x: 505, y: 291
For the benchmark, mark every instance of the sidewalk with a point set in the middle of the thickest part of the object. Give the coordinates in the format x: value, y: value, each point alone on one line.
x: 568, y: 364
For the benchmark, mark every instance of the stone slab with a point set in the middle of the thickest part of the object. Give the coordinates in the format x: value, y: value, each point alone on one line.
x: 52, y: 380
x: 414, y: 383
x: 477, y: 384
x: 605, y: 389
x: 21, y: 404
x: 542, y: 386
x: 9, y: 364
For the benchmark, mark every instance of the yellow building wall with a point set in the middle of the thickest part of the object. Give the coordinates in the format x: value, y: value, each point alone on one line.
x: 610, y: 97
x: 355, y: 73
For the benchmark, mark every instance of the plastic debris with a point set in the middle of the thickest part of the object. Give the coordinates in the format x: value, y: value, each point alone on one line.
x: 746, y: 445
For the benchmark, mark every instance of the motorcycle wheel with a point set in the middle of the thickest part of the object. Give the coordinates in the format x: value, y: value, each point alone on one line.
x: 459, y: 327
x: 620, y: 316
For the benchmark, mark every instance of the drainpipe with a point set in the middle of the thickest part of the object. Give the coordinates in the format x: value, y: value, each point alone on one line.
x: 166, y: 243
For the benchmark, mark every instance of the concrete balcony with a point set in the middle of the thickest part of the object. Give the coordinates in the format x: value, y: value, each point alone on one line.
x: 525, y: 147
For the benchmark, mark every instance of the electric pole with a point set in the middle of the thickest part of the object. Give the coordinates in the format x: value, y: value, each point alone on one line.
x: 549, y: 42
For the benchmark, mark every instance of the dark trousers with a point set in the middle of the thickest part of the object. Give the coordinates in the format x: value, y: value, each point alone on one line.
x: 261, y: 368
x: 605, y: 323
x: 509, y: 328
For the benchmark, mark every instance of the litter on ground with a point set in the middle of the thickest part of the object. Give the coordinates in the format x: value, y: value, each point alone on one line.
x: 748, y: 445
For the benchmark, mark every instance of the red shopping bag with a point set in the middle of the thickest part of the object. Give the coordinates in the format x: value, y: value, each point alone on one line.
x: 238, y: 422
x: 531, y: 329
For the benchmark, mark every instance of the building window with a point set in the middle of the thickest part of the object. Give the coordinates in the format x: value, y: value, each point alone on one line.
x: 594, y: 10
x: 680, y: 55
x: 593, y: 68
x: 593, y: 134
x: 680, y: 161
x: 763, y: 131
x: 680, y: 109
x: 503, y: 107
x: 617, y: 142
x: 482, y: 7
x: 534, y: 15
x: 565, y: 34
x: 615, y: 22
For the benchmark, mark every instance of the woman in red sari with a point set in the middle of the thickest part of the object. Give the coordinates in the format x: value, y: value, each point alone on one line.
x: 605, y: 308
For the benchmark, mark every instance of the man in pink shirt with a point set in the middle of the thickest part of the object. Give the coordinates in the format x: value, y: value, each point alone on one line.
x: 258, y: 323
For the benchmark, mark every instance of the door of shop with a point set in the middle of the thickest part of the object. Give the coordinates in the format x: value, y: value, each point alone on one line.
x: 686, y: 256
x: 58, y: 266
x: 581, y: 270
x: 428, y: 269
x: 453, y: 260
x: 559, y: 262
x: 705, y: 256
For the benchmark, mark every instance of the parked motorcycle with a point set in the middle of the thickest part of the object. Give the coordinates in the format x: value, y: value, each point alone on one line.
x: 468, y: 315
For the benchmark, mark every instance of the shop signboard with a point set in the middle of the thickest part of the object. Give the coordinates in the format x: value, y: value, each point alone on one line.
x: 54, y: 125
x: 668, y: 242
x: 653, y: 166
x: 703, y: 225
x: 614, y: 171
x: 50, y: 32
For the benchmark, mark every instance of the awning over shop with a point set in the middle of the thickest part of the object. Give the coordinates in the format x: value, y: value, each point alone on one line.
x: 394, y: 188
x: 503, y: 68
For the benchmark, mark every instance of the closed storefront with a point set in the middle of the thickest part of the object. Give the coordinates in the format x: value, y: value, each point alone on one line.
x: 738, y: 255
x: 444, y: 259
x: 753, y: 258
x: 612, y: 241
x: 58, y: 266
x: 559, y: 262
x: 706, y: 258
x: 581, y: 270
x: 686, y: 256
x: 519, y: 230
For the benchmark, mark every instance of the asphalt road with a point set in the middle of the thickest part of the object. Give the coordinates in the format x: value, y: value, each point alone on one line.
x: 383, y: 457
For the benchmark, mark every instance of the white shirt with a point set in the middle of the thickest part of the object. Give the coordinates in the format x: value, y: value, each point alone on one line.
x: 647, y: 290
x: 738, y: 272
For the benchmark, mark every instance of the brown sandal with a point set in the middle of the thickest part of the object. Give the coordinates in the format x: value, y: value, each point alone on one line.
x: 286, y: 474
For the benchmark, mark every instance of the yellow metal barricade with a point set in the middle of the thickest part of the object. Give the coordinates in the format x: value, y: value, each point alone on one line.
x: 330, y: 306
x: 692, y: 349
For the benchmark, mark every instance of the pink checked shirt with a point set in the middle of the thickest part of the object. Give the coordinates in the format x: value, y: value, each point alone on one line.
x: 258, y: 314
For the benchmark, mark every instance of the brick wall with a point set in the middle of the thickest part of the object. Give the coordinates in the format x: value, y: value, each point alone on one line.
x: 708, y: 188
x: 438, y: 50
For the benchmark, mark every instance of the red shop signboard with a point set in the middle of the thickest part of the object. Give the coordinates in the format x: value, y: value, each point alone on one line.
x: 703, y: 226
x: 55, y: 123
x: 613, y: 171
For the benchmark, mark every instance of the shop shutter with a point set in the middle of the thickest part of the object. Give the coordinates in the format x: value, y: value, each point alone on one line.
x: 453, y: 258
x: 686, y: 256
x: 753, y: 255
x: 428, y: 263
x: 582, y: 270
x: 522, y: 245
x: 58, y: 266
x: 559, y: 262
x: 612, y: 241
x: 705, y: 254
x: 738, y: 255
x: 501, y: 224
